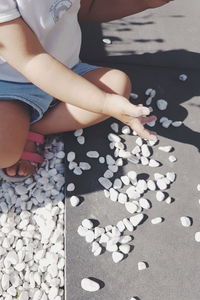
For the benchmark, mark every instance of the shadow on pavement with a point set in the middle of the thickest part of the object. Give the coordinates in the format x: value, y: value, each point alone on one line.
x: 158, y: 70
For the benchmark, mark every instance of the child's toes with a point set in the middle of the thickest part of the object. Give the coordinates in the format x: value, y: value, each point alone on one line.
x: 12, y: 171
x: 25, y: 168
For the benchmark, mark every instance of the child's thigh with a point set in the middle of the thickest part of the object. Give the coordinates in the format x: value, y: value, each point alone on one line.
x: 14, y: 126
x: 110, y: 80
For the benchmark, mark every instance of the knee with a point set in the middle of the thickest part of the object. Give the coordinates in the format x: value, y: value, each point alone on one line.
x: 9, y: 157
x: 122, y: 82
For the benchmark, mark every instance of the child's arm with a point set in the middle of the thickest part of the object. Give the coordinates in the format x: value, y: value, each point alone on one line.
x: 107, y: 10
x: 20, y: 47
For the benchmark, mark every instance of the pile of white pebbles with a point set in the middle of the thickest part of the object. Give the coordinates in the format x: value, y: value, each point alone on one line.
x: 32, y: 256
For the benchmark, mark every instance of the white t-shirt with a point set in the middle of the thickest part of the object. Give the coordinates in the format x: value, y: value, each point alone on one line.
x: 55, y: 24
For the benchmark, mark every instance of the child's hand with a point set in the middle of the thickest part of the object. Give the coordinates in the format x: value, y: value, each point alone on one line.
x: 156, y: 3
x: 135, y: 116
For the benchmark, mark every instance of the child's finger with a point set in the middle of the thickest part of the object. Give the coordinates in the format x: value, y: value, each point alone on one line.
x: 137, y: 111
x: 143, y: 132
x: 145, y: 120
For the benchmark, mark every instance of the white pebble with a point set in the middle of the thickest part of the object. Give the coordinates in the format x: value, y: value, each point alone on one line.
x: 124, y: 154
x: 60, y: 154
x: 133, y: 159
x: 106, y: 193
x: 110, y: 247
x: 132, y: 193
x: 151, y: 124
x: 71, y: 156
x: 115, y: 127
x: 131, y: 207
x: 125, y: 239
x: 87, y: 224
x: 108, y: 174
x: 70, y: 187
x: 161, y: 104
x: 145, y: 150
x: 161, y: 183
x: 120, y: 225
x: 183, y: 77
x: 89, y: 285
x: 72, y: 165
x: 165, y: 148
x: 198, y: 187
x: 95, y: 246
x: 117, y: 257
x: 21, y: 189
x: 114, y: 138
x: 154, y: 163
x: 151, y: 185
x: 107, y: 41
x: 177, y: 123
x: 104, y: 238
x: 136, y: 150
x: 89, y: 237
x: 139, y: 141
x: 98, y: 251
x: 132, y: 175
x: 125, y: 179
x: 160, y: 196
x: 122, y: 198
x: 144, y: 203
x: 157, y: 220
x: 84, y: 166
x: 134, y: 96
x: 113, y: 194
x: 81, y: 140
x: 23, y: 295
x: 186, y: 221
x: 125, y: 248
x: 163, y: 119
x: 128, y: 224
x: 126, y: 130
x: 102, y: 160
x: 92, y: 154
x: 117, y: 184
x: 98, y: 231
x: 171, y: 176
x: 144, y: 160
x: 105, y: 182
x: 142, y: 265
x: 5, y: 281
x: 77, y: 171
x: 197, y: 236
x: 137, y: 219
x: 168, y: 200
x: 172, y: 158
x: 78, y: 132
x: 74, y: 200
x: 166, y: 123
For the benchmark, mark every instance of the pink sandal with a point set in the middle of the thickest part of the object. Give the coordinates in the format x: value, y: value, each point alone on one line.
x: 34, y: 158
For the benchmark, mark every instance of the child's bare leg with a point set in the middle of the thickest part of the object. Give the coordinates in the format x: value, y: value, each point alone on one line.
x: 71, y: 117
x: 66, y: 117
x: 14, y: 126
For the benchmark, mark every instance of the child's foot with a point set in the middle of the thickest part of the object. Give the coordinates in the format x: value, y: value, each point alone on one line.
x: 23, y: 167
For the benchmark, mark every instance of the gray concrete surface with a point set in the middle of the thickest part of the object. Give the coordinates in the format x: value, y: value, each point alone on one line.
x: 168, y: 248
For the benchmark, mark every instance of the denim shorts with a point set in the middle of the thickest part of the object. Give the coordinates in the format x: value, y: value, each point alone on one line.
x: 37, y: 100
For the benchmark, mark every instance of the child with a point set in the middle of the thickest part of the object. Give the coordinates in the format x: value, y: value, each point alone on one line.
x: 39, y: 49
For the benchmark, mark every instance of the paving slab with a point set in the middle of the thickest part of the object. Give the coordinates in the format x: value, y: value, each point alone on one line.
x: 170, y: 250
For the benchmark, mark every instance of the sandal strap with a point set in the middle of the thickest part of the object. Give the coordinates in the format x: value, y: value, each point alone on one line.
x: 35, y: 137
x: 32, y: 157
